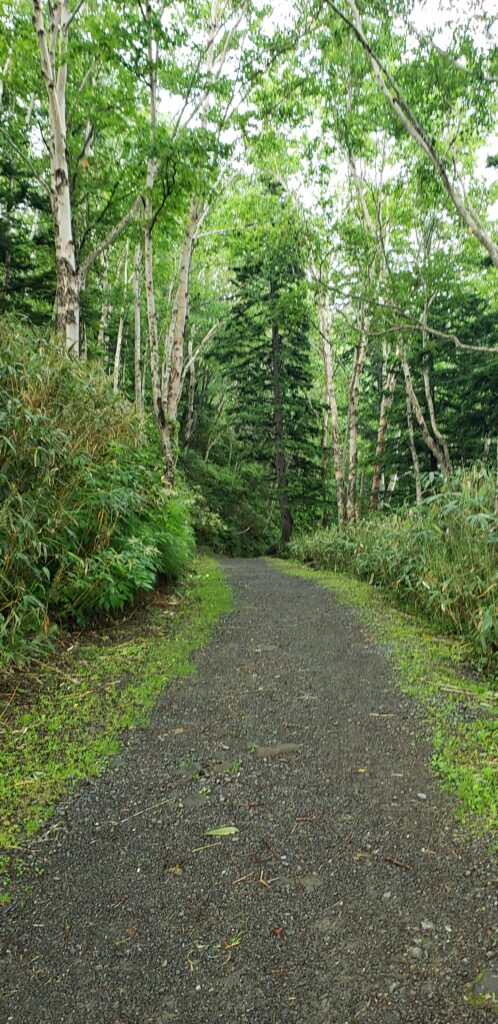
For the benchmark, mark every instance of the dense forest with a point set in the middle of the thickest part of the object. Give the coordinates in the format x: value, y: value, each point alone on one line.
x: 249, y: 258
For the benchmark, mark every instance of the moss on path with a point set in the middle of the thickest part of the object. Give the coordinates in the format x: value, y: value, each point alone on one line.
x: 462, y: 711
x: 63, y: 724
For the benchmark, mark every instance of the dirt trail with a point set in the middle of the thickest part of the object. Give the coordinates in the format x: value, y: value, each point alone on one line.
x: 348, y: 893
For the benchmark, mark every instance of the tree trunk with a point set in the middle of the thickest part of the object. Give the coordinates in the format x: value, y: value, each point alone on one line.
x: 70, y: 280
x: 172, y: 370
x: 385, y: 407
x: 138, y: 340
x: 286, y: 523
x: 191, y: 392
x: 119, y: 340
x: 433, y: 447
x: 152, y: 166
x: 325, y: 449
x: 84, y: 345
x: 413, y: 450
x: 106, y: 308
x: 496, y: 494
x: 335, y: 437
x: 440, y: 440
x: 157, y: 404
x: 354, y: 401
x: 67, y: 292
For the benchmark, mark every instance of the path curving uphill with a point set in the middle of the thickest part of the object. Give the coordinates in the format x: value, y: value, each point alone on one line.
x: 347, y: 894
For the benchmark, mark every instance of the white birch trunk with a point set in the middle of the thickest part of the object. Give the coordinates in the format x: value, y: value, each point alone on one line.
x: 496, y: 495
x: 335, y: 436
x: 432, y: 445
x: 189, y: 426
x: 438, y: 436
x: 70, y: 279
x: 137, y: 332
x: 119, y: 340
x: 171, y: 384
x: 385, y: 407
x: 354, y: 402
x: 84, y: 344
x: 68, y: 299
x: 106, y: 308
x: 413, y: 449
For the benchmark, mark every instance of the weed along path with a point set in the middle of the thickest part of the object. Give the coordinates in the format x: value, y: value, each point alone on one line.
x: 271, y: 848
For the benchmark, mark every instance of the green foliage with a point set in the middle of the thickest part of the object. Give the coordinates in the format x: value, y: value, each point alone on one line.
x: 85, y: 521
x: 441, y: 557
x: 234, y: 508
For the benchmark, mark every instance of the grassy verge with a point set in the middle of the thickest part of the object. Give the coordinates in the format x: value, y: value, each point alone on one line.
x: 64, y: 725
x: 438, y: 559
x: 462, y: 711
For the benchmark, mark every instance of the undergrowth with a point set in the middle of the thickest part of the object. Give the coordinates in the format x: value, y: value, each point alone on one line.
x: 462, y: 710
x: 440, y: 558
x: 85, y: 521
x: 63, y: 724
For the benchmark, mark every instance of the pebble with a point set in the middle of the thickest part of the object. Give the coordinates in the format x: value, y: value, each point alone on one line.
x: 422, y: 796
x: 415, y: 953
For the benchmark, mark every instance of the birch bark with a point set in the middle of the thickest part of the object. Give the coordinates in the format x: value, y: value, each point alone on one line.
x: 189, y: 426
x: 389, y: 381
x: 67, y: 290
x: 172, y: 369
x: 438, y: 436
x: 286, y: 523
x: 172, y: 374
x: 330, y: 385
x: 433, y: 447
x: 352, y: 510
x: 385, y: 407
x: 137, y: 261
x: 70, y: 279
x: 119, y: 339
x: 413, y: 450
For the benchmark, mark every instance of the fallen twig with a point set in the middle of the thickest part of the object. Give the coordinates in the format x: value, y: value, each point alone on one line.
x: 242, y: 878
x: 397, y: 863
x: 152, y: 807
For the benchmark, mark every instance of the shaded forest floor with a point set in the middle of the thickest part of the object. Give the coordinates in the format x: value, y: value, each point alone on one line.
x: 341, y: 887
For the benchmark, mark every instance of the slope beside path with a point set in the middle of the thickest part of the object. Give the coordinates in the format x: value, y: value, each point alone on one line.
x: 347, y: 893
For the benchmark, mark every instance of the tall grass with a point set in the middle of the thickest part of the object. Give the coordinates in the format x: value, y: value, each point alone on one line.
x: 85, y: 522
x: 441, y: 558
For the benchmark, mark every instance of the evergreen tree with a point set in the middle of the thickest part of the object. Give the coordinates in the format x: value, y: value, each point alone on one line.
x: 266, y: 355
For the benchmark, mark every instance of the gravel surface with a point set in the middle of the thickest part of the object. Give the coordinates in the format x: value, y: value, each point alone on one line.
x: 347, y: 894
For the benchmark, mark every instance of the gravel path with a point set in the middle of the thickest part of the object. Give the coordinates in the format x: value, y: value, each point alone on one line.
x: 348, y: 894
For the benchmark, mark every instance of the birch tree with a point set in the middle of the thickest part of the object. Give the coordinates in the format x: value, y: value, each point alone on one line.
x: 221, y: 33
x: 52, y: 23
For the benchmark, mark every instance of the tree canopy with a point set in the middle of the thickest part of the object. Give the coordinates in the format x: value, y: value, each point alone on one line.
x: 273, y: 227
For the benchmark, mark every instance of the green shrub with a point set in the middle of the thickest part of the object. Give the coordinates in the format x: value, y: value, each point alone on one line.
x: 441, y: 557
x: 234, y: 507
x: 85, y: 521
